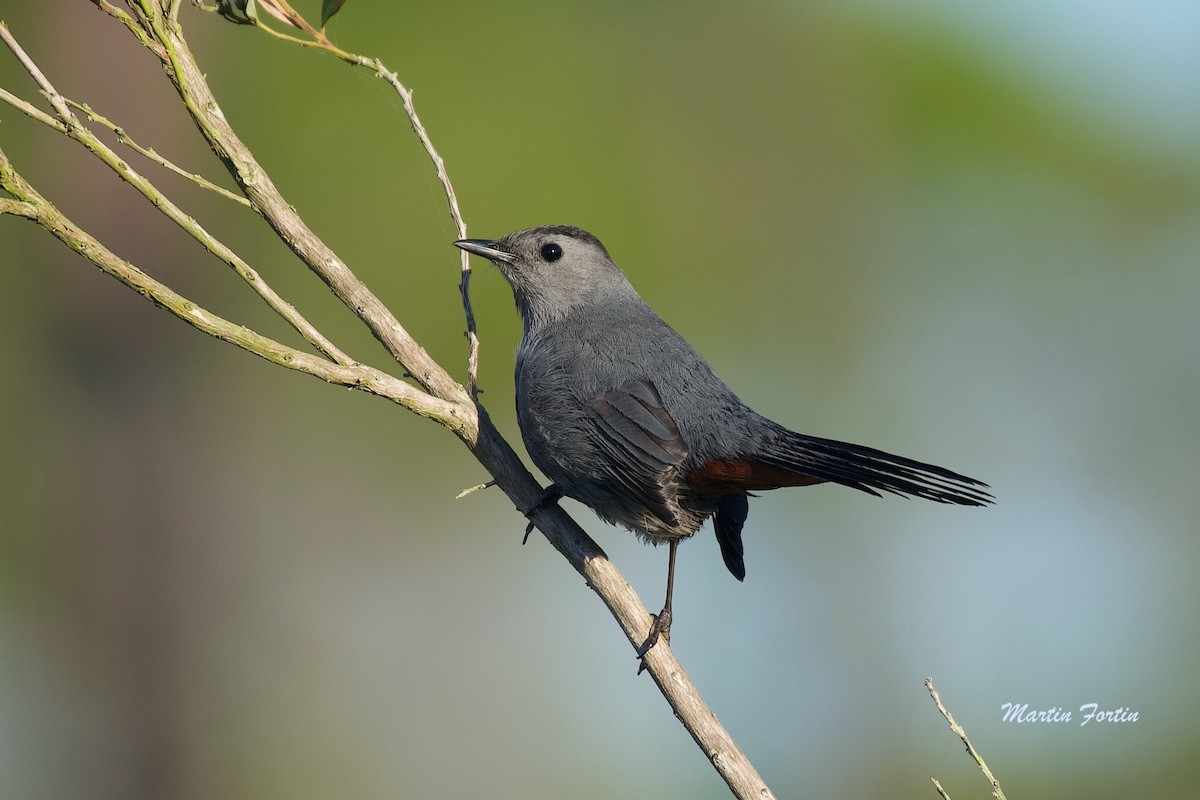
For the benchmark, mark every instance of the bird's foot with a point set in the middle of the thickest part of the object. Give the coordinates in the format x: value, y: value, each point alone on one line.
x: 549, y: 497
x: 660, y: 627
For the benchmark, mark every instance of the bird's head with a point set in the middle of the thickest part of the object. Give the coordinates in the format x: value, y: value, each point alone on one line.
x: 552, y: 269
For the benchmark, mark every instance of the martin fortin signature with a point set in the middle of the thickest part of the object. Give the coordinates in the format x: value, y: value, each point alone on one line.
x: 1021, y: 712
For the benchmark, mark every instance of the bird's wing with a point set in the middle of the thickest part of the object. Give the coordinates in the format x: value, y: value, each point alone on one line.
x: 642, y: 443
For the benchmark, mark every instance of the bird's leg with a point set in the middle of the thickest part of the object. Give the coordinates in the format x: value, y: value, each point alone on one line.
x: 549, y: 497
x: 662, y: 623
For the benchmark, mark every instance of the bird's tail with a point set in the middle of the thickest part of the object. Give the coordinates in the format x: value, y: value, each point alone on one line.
x: 870, y: 470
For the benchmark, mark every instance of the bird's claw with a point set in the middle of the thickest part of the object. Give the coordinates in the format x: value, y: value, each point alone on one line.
x: 660, y: 627
x: 549, y: 497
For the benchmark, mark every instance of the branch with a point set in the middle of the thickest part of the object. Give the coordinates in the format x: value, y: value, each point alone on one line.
x: 31, y: 205
x: 443, y: 400
x: 150, y: 153
x: 406, y: 95
x: 626, y: 607
x: 282, y: 10
x: 188, y: 79
x: 17, y: 208
x: 958, y: 731
x: 71, y: 125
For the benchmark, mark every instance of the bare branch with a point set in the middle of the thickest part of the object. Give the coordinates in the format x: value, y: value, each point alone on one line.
x: 19, y: 209
x: 958, y: 731
x: 189, y: 81
x: 34, y: 206
x: 406, y: 95
x: 627, y: 608
x: 56, y: 99
x: 75, y: 129
x: 150, y: 153
x: 446, y: 400
x: 26, y: 108
x: 283, y: 11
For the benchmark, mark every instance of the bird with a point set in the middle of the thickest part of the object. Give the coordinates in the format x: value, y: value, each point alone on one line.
x: 623, y: 415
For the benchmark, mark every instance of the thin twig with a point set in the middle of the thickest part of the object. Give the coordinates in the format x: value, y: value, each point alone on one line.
x: 958, y: 731
x: 942, y: 792
x: 56, y: 100
x: 75, y: 129
x: 406, y: 96
x: 470, y: 489
x: 356, y: 376
x: 150, y: 153
x: 287, y: 37
x: 188, y: 78
x: 29, y: 109
x: 282, y: 10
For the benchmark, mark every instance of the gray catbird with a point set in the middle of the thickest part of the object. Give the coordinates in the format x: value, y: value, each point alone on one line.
x: 623, y: 415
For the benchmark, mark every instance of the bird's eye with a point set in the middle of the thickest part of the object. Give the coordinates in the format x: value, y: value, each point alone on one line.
x: 551, y: 252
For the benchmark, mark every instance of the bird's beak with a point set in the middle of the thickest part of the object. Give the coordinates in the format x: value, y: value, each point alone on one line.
x: 486, y: 248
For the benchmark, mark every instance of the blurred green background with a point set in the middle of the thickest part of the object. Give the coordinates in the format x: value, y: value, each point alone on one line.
x: 964, y: 232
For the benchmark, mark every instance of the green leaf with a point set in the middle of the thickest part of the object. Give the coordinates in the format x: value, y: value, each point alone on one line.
x: 243, y: 12
x: 329, y: 8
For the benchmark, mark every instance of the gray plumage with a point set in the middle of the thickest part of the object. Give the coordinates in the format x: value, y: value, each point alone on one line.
x: 624, y: 416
